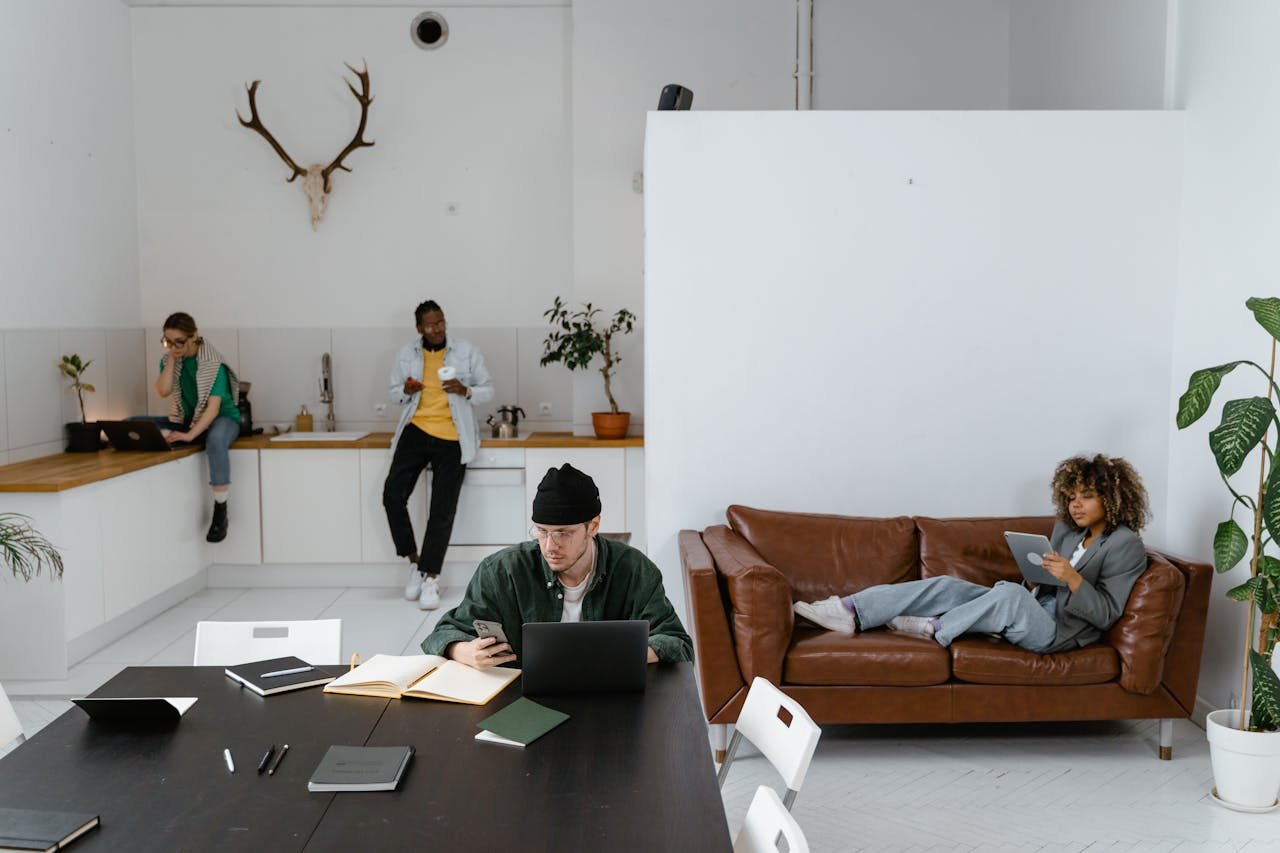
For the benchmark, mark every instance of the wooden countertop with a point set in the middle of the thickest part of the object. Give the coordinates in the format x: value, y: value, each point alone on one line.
x: 63, y: 471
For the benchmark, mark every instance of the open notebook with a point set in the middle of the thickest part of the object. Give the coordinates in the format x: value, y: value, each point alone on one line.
x: 423, y: 677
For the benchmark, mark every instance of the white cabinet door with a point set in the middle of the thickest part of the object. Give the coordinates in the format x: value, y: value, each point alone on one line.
x: 310, y: 506
x: 491, y: 508
x: 606, y: 465
x: 375, y: 535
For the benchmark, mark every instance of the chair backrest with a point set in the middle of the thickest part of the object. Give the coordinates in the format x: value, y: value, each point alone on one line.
x: 10, y: 727
x: 789, y: 743
x: 229, y: 643
x: 768, y: 820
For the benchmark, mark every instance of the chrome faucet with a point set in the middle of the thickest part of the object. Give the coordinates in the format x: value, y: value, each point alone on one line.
x: 326, y: 391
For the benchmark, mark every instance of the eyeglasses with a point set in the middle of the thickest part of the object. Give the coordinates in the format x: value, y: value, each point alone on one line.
x: 558, y: 537
x: 439, y: 325
x: 177, y: 343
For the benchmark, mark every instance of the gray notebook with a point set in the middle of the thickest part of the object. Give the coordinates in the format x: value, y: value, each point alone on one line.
x: 360, y: 768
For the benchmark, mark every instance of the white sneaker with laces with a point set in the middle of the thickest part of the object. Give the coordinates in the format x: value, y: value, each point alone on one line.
x: 429, y: 598
x: 829, y: 613
x: 918, y: 626
x: 413, y: 586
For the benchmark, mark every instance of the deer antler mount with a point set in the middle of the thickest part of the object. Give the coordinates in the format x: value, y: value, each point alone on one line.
x: 316, y: 177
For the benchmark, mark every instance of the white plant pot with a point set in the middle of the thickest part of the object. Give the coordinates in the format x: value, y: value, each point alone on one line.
x: 1246, y: 765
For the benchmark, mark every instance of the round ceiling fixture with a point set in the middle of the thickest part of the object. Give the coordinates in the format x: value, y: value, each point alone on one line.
x: 429, y: 30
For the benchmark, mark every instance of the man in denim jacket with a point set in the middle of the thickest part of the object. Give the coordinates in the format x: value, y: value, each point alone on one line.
x: 439, y: 380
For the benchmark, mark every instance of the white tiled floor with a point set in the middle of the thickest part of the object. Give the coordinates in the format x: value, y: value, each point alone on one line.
x: 891, y: 789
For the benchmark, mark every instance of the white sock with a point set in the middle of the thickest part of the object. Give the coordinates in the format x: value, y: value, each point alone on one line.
x: 220, y: 497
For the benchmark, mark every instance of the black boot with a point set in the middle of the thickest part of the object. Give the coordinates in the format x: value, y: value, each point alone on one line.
x: 218, y: 527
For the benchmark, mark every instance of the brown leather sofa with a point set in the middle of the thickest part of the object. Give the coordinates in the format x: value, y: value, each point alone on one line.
x: 741, y: 580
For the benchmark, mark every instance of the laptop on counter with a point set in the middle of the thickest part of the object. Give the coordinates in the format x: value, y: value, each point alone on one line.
x: 137, y: 435
x: 584, y: 657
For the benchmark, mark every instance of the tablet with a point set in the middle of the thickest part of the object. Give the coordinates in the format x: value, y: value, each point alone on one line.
x: 1028, y: 549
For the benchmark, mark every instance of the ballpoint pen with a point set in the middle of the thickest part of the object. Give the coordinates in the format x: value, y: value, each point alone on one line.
x: 231, y: 765
x: 276, y: 762
x: 286, y: 672
x: 266, y: 756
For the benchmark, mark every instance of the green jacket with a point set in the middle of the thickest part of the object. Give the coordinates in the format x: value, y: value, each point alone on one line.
x: 516, y: 585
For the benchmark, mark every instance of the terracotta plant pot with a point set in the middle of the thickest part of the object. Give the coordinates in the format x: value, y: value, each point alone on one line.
x: 83, y: 438
x: 609, y: 425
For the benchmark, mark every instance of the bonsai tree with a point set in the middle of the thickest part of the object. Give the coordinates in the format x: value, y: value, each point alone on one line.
x: 577, y: 337
x: 1246, y: 425
x: 24, y: 550
x: 73, y: 369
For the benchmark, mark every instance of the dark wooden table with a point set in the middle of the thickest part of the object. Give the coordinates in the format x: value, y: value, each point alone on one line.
x: 627, y: 771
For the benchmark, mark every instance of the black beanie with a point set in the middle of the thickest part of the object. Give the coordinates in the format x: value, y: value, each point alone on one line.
x: 565, y: 496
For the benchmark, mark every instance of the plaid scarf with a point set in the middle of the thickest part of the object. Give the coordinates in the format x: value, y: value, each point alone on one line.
x: 208, y: 360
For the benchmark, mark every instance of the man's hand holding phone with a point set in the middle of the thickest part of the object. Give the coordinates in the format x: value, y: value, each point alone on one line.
x: 482, y: 653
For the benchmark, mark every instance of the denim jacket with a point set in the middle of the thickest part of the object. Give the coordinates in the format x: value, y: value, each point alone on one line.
x: 469, y: 363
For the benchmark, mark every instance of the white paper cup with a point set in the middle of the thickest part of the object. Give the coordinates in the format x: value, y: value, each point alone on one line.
x: 446, y: 373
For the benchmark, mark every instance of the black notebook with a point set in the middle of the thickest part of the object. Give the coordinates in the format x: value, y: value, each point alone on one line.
x: 279, y: 675
x: 360, y: 768
x: 27, y: 829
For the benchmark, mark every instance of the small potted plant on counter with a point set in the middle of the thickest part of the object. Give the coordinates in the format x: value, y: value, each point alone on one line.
x: 24, y: 550
x: 576, y: 337
x: 82, y: 437
x: 1244, y: 743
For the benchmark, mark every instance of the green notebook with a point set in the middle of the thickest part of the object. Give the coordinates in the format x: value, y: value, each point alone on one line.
x: 520, y: 723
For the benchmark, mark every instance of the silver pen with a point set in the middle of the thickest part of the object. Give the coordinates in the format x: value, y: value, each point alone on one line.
x: 286, y: 672
x: 231, y: 765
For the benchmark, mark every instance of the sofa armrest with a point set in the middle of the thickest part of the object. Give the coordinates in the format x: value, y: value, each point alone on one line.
x: 1145, y: 629
x: 719, y: 679
x: 760, y: 604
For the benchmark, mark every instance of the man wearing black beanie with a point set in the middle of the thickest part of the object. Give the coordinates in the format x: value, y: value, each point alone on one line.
x: 567, y: 573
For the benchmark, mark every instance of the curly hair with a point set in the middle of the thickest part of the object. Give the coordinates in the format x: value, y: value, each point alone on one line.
x: 1124, y: 498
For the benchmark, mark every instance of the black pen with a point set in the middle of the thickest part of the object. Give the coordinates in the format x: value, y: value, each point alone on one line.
x: 276, y: 762
x: 266, y: 756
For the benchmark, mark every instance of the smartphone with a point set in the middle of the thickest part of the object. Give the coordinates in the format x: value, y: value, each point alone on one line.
x: 490, y: 629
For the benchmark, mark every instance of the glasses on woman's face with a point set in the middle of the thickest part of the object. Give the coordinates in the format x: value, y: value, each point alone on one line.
x: 557, y: 537
x: 173, y: 343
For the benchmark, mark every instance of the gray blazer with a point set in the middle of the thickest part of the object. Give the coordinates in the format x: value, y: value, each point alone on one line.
x: 1110, y: 568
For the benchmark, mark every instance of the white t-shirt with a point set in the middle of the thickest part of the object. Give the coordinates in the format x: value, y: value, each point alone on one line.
x: 573, y: 594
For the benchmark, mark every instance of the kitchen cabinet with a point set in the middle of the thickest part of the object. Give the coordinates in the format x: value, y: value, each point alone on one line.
x: 311, y: 506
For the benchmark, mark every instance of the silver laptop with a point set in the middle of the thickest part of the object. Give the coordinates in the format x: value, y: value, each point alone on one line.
x: 584, y: 657
x: 1029, y: 550
x: 136, y: 435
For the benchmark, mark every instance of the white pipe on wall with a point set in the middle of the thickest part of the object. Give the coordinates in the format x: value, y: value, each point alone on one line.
x: 804, y: 54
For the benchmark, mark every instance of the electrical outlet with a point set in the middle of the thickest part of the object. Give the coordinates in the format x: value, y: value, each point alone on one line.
x: 544, y: 408
x: 380, y: 408
x: 1234, y: 701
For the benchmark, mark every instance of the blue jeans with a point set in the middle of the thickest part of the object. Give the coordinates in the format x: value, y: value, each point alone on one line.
x: 216, y: 439
x: 1008, y: 609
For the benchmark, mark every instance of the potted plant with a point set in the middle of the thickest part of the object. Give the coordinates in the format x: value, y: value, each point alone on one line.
x: 575, y: 339
x: 24, y: 550
x: 82, y: 437
x: 1244, y: 743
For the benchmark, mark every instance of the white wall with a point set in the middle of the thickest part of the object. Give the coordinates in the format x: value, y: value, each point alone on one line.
x: 68, y: 258
x: 1087, y: 54
x: 911, y: 54
x: 1228, y: 73
x: 921, y: 314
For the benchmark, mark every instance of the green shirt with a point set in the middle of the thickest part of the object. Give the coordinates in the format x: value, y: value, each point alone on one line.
x: 516, y: 585
x: 221, y: 389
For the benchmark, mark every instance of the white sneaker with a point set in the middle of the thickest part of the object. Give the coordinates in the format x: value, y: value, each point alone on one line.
x: 917, y: 626
x: 429, y: 598
x: 829, y: 613
x: 413, y: 586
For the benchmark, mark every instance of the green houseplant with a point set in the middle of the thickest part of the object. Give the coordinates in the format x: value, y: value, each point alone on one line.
x: 24, y: 550
x: 82, y: 436
x: 577, y: 337
x: 1245, y: 426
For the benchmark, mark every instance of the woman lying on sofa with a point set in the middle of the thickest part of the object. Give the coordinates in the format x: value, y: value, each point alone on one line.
x: 1101, y: 506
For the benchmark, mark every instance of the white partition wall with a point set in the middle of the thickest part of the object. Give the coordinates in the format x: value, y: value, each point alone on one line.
x: 884, y: 313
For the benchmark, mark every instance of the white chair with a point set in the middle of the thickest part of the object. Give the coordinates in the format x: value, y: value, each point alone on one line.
x: 230, y: 643
x: 766, y: 822
x: 787, y: 743
x: 10, y: 727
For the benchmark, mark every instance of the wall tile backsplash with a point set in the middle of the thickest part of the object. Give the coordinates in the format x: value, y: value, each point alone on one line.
x: 283, y: 366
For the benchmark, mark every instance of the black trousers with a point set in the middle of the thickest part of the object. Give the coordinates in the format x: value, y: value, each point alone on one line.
x: 415, y: 451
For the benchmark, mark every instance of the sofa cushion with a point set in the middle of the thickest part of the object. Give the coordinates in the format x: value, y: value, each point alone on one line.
x: 988, y: 660
x: 824, y: 555
x: 974, y: 549
x: 760, y: 603
x: 1145, y: 629
x: 870, y: 659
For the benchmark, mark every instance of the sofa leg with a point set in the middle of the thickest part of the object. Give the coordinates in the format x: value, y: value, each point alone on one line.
x: 1166, y: 740
x: 720, y: 740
